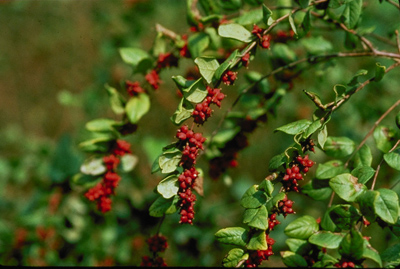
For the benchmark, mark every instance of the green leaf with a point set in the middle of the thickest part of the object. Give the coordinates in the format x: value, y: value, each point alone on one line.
x: 139, y: 59
x: 183, y: 112
x: 258, y: 241
x: 276, y: 162
x: 101, y: 125
x: 384, y: 137
x: 326, y: 239
x: 196, y: 92
x: 306, y: 24
x: 207, y: 67
x: 224, y: 136
x: 367, y: 204
x: 284, y: 53
x: 230, y: 5
x: 393, y: 160
x: 316, y: 190
x: 85, y: 180
x: 168, y: 187
x: 117, y: 102
x: 250, y: 17
x: 253, y: 198
x: 391, y: 255
x: 291, y: 259
x: 386, y: 205
x: 93, y: 166
x: 273, y: 203
x: 354, y: 81
x: 266, y: 186
x: 380, y: 71
x: 327, y: 223
x: 302, y: 228
x: 294, y: 127
x: 352, y: 245
x: 235, y: 31
x: 292, y: 24
x: 363, y: 173
x: 371, y: 253
x: 162, y: 206
x: 352, y: 13
x: 299, y: 246
x: 267, y: 13
x: 129, y: 162
x: 98, y: 144
x: 237, y: 236
x: 315, y: 125
x: 347, y: 187
x: 137, y: 107
x: 336, y: 3
x: 344, y: 216
x: 329, y: 169
x: 303, y: 3
x: 234, y: 257
x: 198, y: 43
x: 363, y: 157
x: 339, y: 147
x: 256, y: 217
x: 316, y: 45
x: 322, y: 136
x: 226, y: 65
x: 169, y: 160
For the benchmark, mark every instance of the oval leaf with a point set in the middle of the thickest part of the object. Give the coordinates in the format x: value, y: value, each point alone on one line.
x: 207, y: 67
x: 137, y: 106
x: 291, y: 259
x: 393, y: 160
x: 387, y: 206
x: 347, y: 187
x: 326, y: 239
x: 237, y: 236
x: 235, y: 31
x: 234, y: 257
x: 168, y: 187
x: 302, y: 228
x: 294, y: 127
x: 339, y: 147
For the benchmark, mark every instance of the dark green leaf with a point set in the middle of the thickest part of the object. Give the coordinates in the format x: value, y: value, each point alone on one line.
x: 256, y: 217
x: 267, y: 13
x: 230, y: 5
x: 329, y: 169
x: 294, y: 127
x: 371, y: 253
x: 398, y: 120
x: 196, y: 92
x: 380, y: 71
x: 168, y: 187
x: 384, y: 137
x: 266, y: 186
x: 234, y: 257
x: 344, y: 216
x: 303, y: 3
x: 253, y: 198
x: 393, y: 160
x: 207, y: 67
x: 352, y: 245
x: 291, y: 259
x: 326, y: 239
x: 312, y: 128
x: 363, y: 173
x: 85, y: 180
x: 273, y: 203
x: 302, y: 228
x: 306, y: 24
x: 235, y: 31
x: 336, y: 3
x: 327, y: 223
x: 387, y: 205
x: 276, y: 162
x: 354, y: 81
x: 299, y: 246
x: 391, y: 255
x: 163, y: 206
x: 339, y: 147
x: 237, y: 236
x: 224, y: 136
x: 347, y: 187
x: 367, y: 204
x: 137, y: 107
x: 258, y: 241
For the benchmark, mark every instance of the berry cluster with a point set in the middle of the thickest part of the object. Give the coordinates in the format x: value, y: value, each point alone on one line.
x: 264, y: 39
x: 157, y: 243
x: 166, y: 60
x: 203, y: 111
x: 285, y: 207
x: 308, y: 145
x: 153, y: 79
x: 104, y: 189
x: 133, y: 88
x: 293, y: 174
x: 229, y: 77
x: 344, y: 263
x: 192, y: 142
x: 256, y: 257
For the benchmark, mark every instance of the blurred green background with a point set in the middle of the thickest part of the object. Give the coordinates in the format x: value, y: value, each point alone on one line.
x: 56, y: 56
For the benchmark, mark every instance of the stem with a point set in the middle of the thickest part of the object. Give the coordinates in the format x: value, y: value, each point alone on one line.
x: 380, y: 163
x: 372, y: 130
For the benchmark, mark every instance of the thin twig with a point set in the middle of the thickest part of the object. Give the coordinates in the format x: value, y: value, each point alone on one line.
x: 372, y: 131
x: 380, y: 163
x: 397, y: 40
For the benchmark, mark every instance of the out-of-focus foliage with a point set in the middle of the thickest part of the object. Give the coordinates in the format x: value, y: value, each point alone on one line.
x: 57, y: 56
